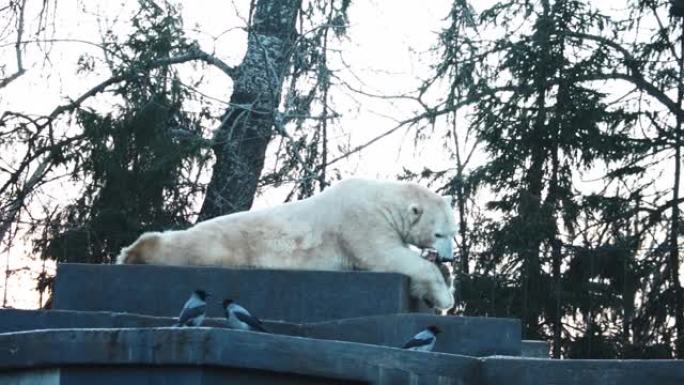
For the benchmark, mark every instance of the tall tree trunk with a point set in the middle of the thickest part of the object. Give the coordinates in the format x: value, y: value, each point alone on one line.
x: 674, y: 230
x: 462, y: 269
x: 629, y: 286
x: 464, y: 248
x: 247, y: 127
x: 557, y: 316
x: 530, y: 203
x: 551, y: 201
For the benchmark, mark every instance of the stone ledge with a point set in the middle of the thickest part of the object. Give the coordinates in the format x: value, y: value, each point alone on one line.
x: 287, y: 295
x: 226, y: 349
x: 158, y: 375
x: 208, y: 356
x: 472, y: 336
x: 525, y: 371
x: 536, y: 349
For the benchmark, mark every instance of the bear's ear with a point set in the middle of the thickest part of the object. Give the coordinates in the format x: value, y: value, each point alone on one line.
x: 415, y: 212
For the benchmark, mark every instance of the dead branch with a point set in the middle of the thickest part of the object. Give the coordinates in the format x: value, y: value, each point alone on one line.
x: 17, y: 48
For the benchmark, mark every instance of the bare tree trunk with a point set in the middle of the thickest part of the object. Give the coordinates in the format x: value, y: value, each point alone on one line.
x: 247, y: 127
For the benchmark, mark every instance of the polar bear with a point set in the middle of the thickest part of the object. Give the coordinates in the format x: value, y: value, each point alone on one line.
x: 357, y: 224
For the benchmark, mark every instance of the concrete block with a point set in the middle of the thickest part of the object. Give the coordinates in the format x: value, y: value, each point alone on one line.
x: 272, y: 356
x: 287, y: 295
x: 536, y: 349
x: 525, y: 371
x: 30, y: 377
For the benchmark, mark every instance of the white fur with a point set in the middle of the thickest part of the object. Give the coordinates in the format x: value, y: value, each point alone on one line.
x: 356, y: 224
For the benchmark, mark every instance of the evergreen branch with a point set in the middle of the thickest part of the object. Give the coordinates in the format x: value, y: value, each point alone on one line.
x: 194, y: 54
x: 656, y: 212
x: 47, y: 161
x: 636, y: 77
x: 640, y: 83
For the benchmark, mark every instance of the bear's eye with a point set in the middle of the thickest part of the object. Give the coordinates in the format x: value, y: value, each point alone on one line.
x: 439, y: 235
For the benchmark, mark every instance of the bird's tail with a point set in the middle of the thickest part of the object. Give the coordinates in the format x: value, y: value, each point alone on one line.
x: 141, y: 250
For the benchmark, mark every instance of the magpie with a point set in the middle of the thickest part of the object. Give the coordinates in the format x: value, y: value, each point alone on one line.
x: 424, y: 341
x: 194, y: 309
x: 239, y: 318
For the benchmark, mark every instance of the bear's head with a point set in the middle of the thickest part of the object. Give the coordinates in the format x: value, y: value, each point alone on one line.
x: 431, y: 222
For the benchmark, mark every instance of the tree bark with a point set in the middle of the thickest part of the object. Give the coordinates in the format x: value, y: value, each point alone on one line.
x: 247, y: 127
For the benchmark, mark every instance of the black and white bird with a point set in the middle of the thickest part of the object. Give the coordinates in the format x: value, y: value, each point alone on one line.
x: 194, y: 309
x: 425, y: 340
x: 239, y: 318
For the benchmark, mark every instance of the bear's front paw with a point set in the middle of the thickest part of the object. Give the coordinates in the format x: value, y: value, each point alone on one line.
x: 442, y: 298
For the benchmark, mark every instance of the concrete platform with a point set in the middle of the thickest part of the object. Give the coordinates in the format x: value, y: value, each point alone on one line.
x: 472, y: 336
x: 287, y: 295
x: 211, y: 355
x: 530, y: 371
x: 328, y: 328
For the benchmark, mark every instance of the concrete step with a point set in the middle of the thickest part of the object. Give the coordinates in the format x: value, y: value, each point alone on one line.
x: 470, y: 336
x: 473, y: 336
x: 287, y: 295
x: 207, y: 356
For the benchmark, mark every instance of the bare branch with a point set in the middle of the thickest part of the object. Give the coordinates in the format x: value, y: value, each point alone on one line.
x: 102, y: 46
x: 17, y: 47
x: 430, y: 114
x: 15, y: 206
